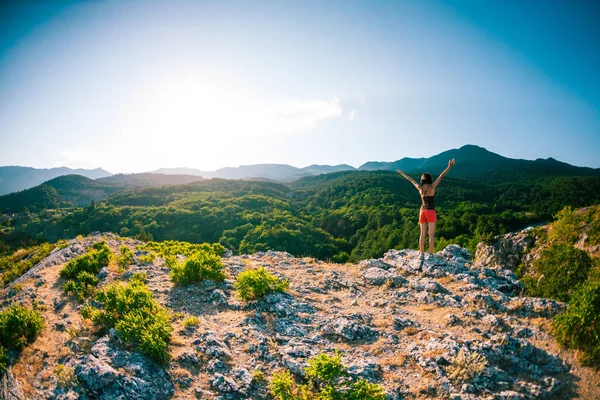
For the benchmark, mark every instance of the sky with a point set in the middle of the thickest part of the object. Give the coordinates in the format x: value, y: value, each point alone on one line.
x: 132, y: 85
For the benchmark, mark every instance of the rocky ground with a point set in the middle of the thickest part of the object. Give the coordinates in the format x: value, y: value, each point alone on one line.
x: 440, y: 327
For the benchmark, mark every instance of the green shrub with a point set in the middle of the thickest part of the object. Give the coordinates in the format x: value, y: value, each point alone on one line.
x: 81, y: 273
x: 83, y: 286
x: 138, y: 319
x: 65, y: 376
x: 92, y: 261
x: 19, y: 325
x: 198, y: 267
x: 3, y: 360
x: 14, y: 265
x: 174, y: 247
x: 363, y: 389
x: 559, y: 270
x: 579, y: 326
x: 191, y: 321
x: 283, y: 387
x: 325, y: 382
x: 125, y: 258
x: 324, y: 369
x: 148, y: 258
x: 565, y: 228
x: 256, y: 283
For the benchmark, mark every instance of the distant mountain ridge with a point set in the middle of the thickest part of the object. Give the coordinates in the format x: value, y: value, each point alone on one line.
x: 14, y: 178
x: 276, y: 172
x: 473, y: 162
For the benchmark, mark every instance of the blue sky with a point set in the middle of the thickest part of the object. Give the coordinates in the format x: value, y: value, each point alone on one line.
x: 132, y: 86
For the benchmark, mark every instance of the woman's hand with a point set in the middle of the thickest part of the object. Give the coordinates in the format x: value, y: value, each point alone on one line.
x: 451, y: 163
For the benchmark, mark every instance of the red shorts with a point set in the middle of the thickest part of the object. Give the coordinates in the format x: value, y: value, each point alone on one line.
x: 427, y: 216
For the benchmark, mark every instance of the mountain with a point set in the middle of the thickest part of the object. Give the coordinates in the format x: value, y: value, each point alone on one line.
x: 66, y: 190
x: 477, y: 162
x: 472, y: 162
x: 274, y: 172
x: 77, y: 190
x: 13, y: 179
x: 148, y: 179
x: 182, y: 171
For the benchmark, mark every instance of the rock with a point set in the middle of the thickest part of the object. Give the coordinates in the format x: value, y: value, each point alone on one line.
x: 376, y: 276
x: 364, y: 368
x: 351, y: 330
x: 372, y: 263
x: 506, y: 252
x: 95, y: 374
x: 400, y: 323
x: 453, y: 320
x: 223, y: 384
x: 218, y: 297
x: 287, y: 327
x: 428, y: 285
x: 10, y: 388
x: 243, y: 378
x: 103, y: 273
x: 114, y: 373
x: 210, y: 344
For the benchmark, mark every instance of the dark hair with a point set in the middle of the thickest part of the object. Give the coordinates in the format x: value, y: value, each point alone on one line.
x: 426, y: 179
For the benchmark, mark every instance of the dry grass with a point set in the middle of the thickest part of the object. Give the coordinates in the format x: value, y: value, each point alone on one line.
x: 411, y: 330
x: 380, y: 347
x: 395, y: 359
x: 445, y: 279
x: 380, y: 322
x: 465, y: 366
x: 433, y: 353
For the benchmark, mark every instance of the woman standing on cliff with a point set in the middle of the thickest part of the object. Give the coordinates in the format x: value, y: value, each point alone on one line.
x: 427, y: 216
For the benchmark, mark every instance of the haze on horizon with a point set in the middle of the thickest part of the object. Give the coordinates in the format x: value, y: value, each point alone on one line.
x: 133, y: 86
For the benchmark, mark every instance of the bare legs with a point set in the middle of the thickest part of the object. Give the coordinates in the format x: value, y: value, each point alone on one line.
x: 431, y: 236
x: 427, y: 228
x: 422, y: 237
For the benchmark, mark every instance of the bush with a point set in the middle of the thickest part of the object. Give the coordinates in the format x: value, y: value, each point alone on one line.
x: 465, y: 366
x: 92, y: 261
x: 191, y: 321
x: 81, y: 273
x: 579, y: 326
x: 21, y: 261
x: 19, y: 325
x: 126, y: 257
x: 256, y: 283
x: 83, y: 286
x: 325, y: 382
x: 138, y: 319
x: 3, y: 360
x: 559, y: 270
x: 65, y: 376
x: 174, y: 247
x: 198, y: 267
x: 324, y: 369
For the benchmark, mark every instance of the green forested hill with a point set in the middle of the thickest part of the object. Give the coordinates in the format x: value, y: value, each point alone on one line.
x: 344, y: 215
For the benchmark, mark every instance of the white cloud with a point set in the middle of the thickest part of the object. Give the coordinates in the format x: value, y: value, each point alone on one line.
x: 299, y: 115
x: 352, y: 114
x: 78, y: 159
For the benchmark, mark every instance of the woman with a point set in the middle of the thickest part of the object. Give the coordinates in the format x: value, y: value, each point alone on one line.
x: 427, y: 216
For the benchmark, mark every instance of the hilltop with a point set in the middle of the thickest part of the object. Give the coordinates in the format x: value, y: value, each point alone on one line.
x: 449, y: 326
x: 14, y: 179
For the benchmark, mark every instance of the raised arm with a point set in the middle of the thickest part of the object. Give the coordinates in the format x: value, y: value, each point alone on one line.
x: 439, y: 179
x: 411, y: 180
